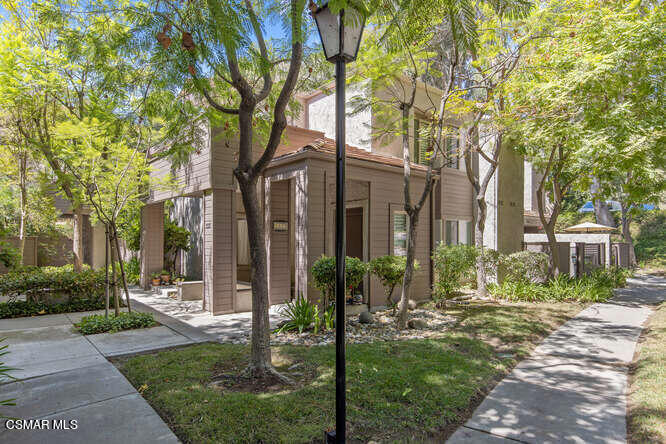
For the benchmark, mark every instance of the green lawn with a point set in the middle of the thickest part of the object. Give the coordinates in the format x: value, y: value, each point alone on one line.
x: 411, y: 390
x: 647, y: 393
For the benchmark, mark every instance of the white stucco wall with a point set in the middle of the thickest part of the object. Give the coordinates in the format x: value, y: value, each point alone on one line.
x: 321, y: 117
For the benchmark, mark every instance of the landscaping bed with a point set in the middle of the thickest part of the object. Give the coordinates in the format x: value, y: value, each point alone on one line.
x: 646, y: 421
x: 98, y: 323
x: 35, y: 291
x: 413, y: 389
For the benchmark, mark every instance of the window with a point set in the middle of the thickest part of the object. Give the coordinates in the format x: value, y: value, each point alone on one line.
x: 420, y: 142
x: 459, y: 232
x: 452, y: 156
x: 400, y: 227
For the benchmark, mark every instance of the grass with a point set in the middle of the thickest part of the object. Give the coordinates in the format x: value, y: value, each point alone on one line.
x: 401, y: 391
x: 647, y: 392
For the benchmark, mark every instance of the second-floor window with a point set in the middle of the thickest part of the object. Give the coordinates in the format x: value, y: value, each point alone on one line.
x: 421, y: 144
x: 453, y: 159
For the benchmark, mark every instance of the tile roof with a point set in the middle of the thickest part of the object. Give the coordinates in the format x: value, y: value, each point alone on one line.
x: 300, y: 140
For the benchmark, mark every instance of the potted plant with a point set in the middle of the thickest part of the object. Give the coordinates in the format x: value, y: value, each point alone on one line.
x: 156, y: 279
x: 166, y: 277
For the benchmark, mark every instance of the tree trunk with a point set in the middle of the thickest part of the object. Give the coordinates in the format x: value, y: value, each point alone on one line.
x: 24, y: 201
x: 409, y: 270
x: 123, y: 277
x: 106, y: 271
x: 552, y: 243
x: 116, y: 300
x: 260, y: 357
x: 481, y: 278
x: 77, y: 235
x: 602, y: 213
x: 626, y: 233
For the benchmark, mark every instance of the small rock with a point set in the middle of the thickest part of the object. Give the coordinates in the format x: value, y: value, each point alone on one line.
x: 417, y: 324
x: 365, y: 317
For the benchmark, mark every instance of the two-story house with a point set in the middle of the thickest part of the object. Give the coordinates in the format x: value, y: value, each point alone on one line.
x: 298, y: 202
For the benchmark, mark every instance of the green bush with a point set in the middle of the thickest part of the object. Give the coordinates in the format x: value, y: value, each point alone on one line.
x: 323, y: 275
x: 93, y: 324
x: 453, y: 265
x: 49, y: 284
x: 17, y: 309
x: 389, y: 270
x: 526, y: 266
x: 594, y: 287
x: 9, y: 256
x: 650, y: 242
x: 132, y: 271
x: 301, y: 314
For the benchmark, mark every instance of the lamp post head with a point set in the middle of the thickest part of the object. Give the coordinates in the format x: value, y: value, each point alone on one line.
x: 340, y: 33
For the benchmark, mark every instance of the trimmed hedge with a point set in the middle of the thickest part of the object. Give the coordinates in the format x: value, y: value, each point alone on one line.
x: 17, y: 309
x: 48, y: 284
x: 94, y: 324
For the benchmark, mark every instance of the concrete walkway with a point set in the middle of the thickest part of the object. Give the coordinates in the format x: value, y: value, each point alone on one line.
x: 190, y: 319
x: 573, y: 388
x: 65, y: 376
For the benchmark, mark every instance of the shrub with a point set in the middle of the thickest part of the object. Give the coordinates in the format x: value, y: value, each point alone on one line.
x: 300, y: 314
x: 526, y: 266
x: 389, y: 270
x: 650, y: 242
x: 9, y: 256
x: 133, y: 271
x: 453, y: 265
x: 17, y: 309
x: 93, y: 324
x: 50, y: 284
x: 594, y: 287
x: 323, y: 275
x: 175, y: 239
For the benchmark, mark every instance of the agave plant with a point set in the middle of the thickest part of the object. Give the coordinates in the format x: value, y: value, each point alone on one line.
x: 300, y: 315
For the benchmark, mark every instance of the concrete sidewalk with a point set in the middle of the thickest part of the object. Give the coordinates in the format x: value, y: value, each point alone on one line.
x: 191, y: 320
x: 573, y: 388
x: 65, y: 376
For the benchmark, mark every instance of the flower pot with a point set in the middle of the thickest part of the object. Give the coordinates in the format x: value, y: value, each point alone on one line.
x: 156, y: 282
x: 165, y: 278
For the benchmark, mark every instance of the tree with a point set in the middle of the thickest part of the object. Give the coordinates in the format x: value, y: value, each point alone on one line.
x: 599, y: 91
x: 247, y: 84
x: 491, y: 64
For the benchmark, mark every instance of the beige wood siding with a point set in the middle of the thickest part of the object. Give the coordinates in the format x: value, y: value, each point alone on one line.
x: 280, y: 276
x: 219, y: 264
x: 456, y: 194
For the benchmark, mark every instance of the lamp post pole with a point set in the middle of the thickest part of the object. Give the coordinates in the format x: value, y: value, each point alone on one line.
x: 340, y: 46
x: 340, y: 253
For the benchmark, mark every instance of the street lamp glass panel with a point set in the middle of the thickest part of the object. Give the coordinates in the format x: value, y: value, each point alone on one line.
x: 328, y: 25
x: 354, y: 22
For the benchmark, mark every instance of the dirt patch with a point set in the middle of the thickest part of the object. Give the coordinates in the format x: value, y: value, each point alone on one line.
x: 224, y: 378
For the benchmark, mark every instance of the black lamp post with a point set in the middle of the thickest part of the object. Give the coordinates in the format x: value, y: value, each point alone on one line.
x: 340, y: 35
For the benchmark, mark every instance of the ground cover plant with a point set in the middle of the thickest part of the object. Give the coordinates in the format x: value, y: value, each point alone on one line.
x: 647, y: 392
x: 198, y: 390
x: 93, y: 324
x: 594, y: 287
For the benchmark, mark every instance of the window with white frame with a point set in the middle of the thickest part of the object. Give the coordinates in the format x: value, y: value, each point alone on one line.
x: 400, y: 228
